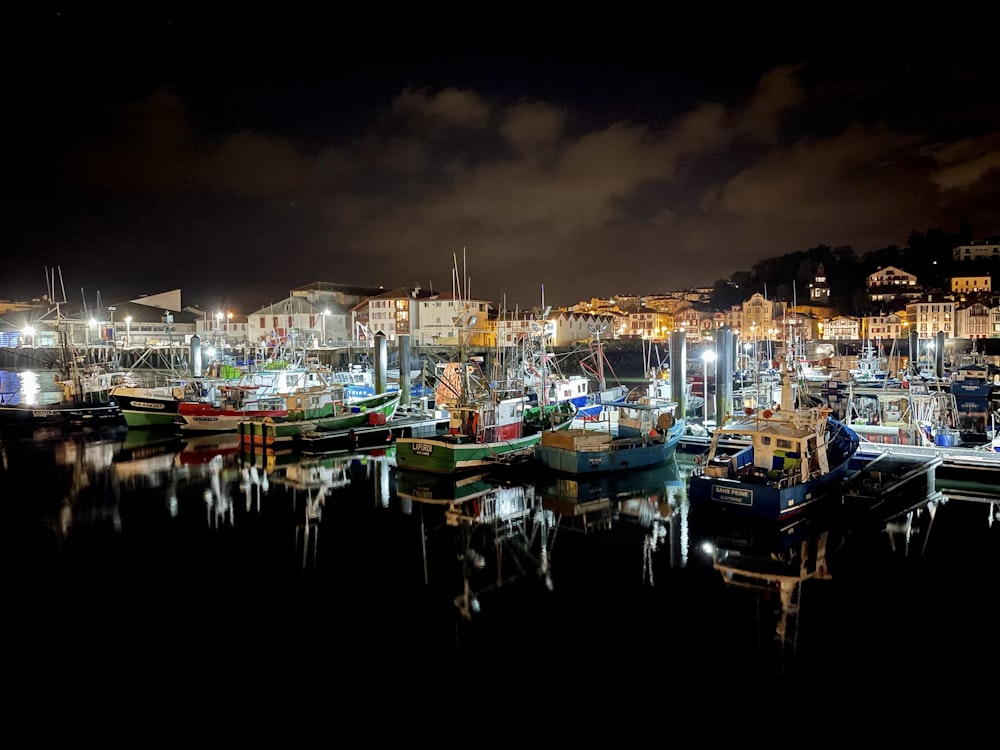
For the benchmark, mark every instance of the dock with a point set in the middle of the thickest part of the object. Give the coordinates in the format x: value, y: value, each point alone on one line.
x: 956, y: 463
x: 888, y: 475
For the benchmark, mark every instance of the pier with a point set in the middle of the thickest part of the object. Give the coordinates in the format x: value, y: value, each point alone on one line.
x: 955, y: 463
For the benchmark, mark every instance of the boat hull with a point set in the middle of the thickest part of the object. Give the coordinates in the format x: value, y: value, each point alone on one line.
x: 557, y: 452
x: 762, y: 501
x: 776, y: 500
x: 62, y: 414
x: 267, y: 431
x: 450, y: 454
x: 200, y: 417
x: 141, y: 408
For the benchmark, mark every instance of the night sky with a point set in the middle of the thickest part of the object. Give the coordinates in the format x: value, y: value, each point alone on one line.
x: 238, y: 157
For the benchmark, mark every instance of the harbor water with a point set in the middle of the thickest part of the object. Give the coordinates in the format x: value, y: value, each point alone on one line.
x: 127, y: 547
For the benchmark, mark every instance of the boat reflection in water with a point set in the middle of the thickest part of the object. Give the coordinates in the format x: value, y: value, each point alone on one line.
x: 205, y: 551
x: 775, y: 562
x: 645, y: 500
x: 492, y: 534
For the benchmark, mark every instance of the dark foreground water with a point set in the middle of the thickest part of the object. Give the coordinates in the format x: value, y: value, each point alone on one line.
x: 129, y: 551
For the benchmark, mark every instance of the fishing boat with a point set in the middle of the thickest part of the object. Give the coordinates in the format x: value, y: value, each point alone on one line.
x: 85, y: 400
x: 217, y: 404
x: 317, y: 410
x: 872, y: 367
x: 641, y: 414
x: 791, y: 458
x: 582, y: 451
x: 481, y: 433
x: 63, y: 414
x: 226, y: 415
x: 597, y: 365
x: 486, y: 425
x: 157, y: 405
x: 916, y: 415
x: 359, y: 382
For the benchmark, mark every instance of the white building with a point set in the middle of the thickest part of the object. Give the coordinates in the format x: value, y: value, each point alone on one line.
x: 842, y: 328
x: 883, y: 327
x: 931, y: 316
x: 974, y: 322
x: 439, y: 321
x: 976, y: 252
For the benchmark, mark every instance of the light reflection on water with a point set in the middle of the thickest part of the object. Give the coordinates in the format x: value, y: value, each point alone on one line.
x: 29, y: 387
x: 124, y: 522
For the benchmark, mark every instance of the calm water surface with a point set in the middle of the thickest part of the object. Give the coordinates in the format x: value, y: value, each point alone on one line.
x: 123, y: 546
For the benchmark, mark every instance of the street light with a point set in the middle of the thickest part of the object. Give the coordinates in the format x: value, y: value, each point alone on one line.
x: 707, y: 356
x: 128, y: 330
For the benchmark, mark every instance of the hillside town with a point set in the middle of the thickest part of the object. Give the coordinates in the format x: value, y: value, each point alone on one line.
x: 323, y: 315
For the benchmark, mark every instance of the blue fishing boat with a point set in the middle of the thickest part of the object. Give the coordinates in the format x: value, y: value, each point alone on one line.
x: 773, y: 464
x: 577, y: 451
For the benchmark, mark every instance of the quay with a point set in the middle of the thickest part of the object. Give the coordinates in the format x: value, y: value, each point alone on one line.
x: 955, y: 463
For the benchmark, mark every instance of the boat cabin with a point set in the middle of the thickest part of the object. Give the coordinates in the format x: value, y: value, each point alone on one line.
x: 759, y: 449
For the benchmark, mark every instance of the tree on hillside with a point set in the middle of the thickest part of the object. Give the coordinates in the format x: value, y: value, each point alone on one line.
x: 725, y: 294
x: 927, y: 255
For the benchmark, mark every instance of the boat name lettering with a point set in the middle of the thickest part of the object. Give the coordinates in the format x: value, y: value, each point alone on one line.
x: 423, y: 449
x: 44, y: 413
x: 147, y: 405
x: 736, y: 495
x: 205, y: 419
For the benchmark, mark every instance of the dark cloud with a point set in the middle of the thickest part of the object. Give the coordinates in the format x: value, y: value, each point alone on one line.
x: 237, y: 169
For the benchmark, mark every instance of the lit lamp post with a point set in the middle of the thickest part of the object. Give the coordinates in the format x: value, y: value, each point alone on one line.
x: 128, y: 330
x: 229, y: 324
x: 706, y: 357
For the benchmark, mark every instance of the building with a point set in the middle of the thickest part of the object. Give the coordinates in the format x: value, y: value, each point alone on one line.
x: 842, y: 328
x: 441, y: 317
x: 295, y: 323
x: 980, y: 251
x: 393, y: 314
x: 819, y: 290
x: 883, y: 327
x: 974, y: 322
x: 649, y: 323
x: 967, y: 285
x: 933, y: 314
x: 891, y: 284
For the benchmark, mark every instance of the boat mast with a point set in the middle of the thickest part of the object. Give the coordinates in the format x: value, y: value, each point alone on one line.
x: 601, y: 383
x: 462, y: 320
